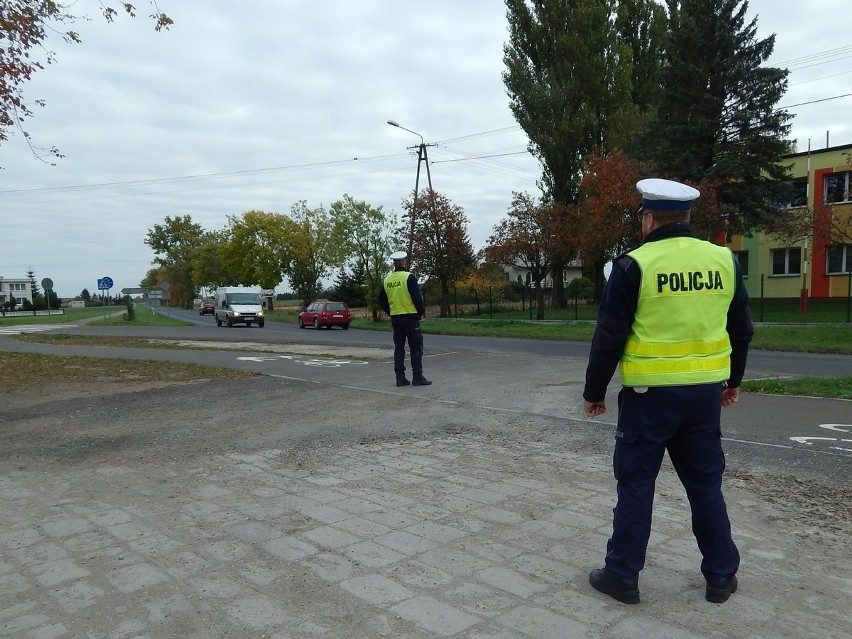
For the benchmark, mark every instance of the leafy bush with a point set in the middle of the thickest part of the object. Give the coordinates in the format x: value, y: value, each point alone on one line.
x: 131, y: 309
x: 581, y: 288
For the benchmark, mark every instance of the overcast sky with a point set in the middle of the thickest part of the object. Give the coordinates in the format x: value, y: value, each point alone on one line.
x: 260, y: 104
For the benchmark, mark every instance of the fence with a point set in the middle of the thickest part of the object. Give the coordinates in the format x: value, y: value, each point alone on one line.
x: 771, y: 299
x: 785, y: 299
x: 53, y: 311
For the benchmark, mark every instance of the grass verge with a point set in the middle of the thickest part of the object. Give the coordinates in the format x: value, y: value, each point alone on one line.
x: 142, y: 317
x: 791, y: 339
x: 829, y: 387
x: 25, y: 370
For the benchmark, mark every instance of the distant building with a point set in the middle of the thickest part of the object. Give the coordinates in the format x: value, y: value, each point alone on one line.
x: 18, y: 288
x: 519, y: 273
x: 815, y: 269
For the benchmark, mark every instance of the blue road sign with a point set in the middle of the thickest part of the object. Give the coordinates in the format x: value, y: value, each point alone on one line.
x: 105, y: 283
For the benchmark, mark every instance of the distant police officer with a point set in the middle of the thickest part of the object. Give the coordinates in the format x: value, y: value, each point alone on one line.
x: 401, y: 299
x: 675, y: 319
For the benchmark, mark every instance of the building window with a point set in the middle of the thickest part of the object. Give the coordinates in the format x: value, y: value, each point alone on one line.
x: 787, y: 261
x: 14, y: 286
x: 799, y: 195
x: 839, y: 259
x: 742, y: 258
x: 837, y: 188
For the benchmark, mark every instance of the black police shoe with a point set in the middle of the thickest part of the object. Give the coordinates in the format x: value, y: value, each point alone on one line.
x: 401, y: 381
x: 720, y: 594
x: 609, y: 584
x: 420, y: 381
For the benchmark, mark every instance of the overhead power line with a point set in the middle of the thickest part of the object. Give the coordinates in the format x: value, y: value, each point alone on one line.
x: 821, y: 57
x: 834, y: 97
x: 481, y: 157
x: 197, y: 178
x: 243, y: 173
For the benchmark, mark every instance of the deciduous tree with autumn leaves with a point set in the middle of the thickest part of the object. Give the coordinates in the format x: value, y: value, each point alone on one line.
x: 534, y: 235
x: 25, y: 26
x: 440, y: 246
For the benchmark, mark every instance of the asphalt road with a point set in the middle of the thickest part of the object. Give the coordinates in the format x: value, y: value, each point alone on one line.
x: 803, y: 437
x: 761, y: 363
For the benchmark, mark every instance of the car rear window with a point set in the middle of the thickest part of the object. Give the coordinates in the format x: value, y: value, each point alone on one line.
x: 336, y: 307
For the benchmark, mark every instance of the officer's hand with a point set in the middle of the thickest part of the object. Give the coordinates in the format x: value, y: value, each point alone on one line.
x: 730, y: 396
x: 593, y: 409
x: 419, y: 318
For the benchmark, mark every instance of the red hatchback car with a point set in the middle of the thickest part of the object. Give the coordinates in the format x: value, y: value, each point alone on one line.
x: 326, y: 314
x: 207, y: 308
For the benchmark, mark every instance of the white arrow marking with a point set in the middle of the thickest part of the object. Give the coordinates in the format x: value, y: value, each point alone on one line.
x: 843, y: 428
x: 804, y: 440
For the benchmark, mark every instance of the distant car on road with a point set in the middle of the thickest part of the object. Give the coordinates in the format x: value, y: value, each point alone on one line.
x: 326, y: 314
x: 207, y: 308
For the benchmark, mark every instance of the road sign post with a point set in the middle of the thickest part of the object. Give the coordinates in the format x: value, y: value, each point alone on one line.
x: 47, y: 285
x: 104, y: 284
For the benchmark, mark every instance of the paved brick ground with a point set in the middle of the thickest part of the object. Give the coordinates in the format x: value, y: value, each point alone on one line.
x: 460, y: 535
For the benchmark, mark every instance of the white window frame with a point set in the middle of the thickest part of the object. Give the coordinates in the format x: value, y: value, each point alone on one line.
x: 787, y: 252
x: 845, y: 258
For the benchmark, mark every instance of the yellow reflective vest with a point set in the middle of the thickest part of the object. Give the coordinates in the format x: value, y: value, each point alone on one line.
x: 679, y: 332
x: 399, y: 299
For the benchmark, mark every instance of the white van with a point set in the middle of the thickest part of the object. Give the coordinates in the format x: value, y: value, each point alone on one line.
x: 238, y: 305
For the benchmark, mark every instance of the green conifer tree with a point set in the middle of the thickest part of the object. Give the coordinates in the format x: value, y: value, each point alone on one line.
x: 717, y: 119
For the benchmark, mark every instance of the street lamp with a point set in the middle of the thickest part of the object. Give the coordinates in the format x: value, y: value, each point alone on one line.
x: 421, y: 157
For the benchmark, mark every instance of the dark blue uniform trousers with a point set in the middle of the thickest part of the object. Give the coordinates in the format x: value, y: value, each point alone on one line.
x: 407, y: 328
x: 685, y: 421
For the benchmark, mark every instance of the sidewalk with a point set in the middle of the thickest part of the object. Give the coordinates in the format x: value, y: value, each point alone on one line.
x: 464, y: 534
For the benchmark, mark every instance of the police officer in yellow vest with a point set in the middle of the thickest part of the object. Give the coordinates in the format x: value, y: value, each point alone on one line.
x: 401, y: 299
x: 675, y: 320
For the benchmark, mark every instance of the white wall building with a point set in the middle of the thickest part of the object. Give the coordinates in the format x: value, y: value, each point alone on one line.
x: 518, y: 273
x: 19, y: 288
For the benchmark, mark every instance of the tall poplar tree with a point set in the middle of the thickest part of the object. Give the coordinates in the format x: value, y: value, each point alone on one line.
x: 718, y: 119
x: 641, y: 26
x: 568, y: 80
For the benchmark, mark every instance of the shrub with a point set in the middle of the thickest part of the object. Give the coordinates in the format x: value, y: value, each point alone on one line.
x: 580, y: 288
x: 131, y: 309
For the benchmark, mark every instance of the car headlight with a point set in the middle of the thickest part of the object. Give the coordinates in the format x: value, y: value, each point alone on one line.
x: 260, y: 313
x: 236, y: 313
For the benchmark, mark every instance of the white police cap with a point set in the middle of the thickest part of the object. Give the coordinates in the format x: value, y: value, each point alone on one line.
x: 398, y: 256
x: 666, y: 195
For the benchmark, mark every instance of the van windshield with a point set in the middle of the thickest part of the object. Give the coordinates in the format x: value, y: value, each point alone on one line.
x: 243, y: 298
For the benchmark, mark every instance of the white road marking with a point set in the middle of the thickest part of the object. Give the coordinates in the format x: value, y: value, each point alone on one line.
x: 307, y: 361
x: 31, y: 328
x: 837, y: 428
x: 843, y: 428
x: 806, y: 440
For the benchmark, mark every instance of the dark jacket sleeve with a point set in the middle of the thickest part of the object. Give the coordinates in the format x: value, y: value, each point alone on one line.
x: 416, y: 296
x: 383, y: 300
x: 615, y: 317
x: 740, y: 329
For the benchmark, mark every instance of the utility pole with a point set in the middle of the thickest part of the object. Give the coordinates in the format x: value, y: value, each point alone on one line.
x: 422, y: 157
